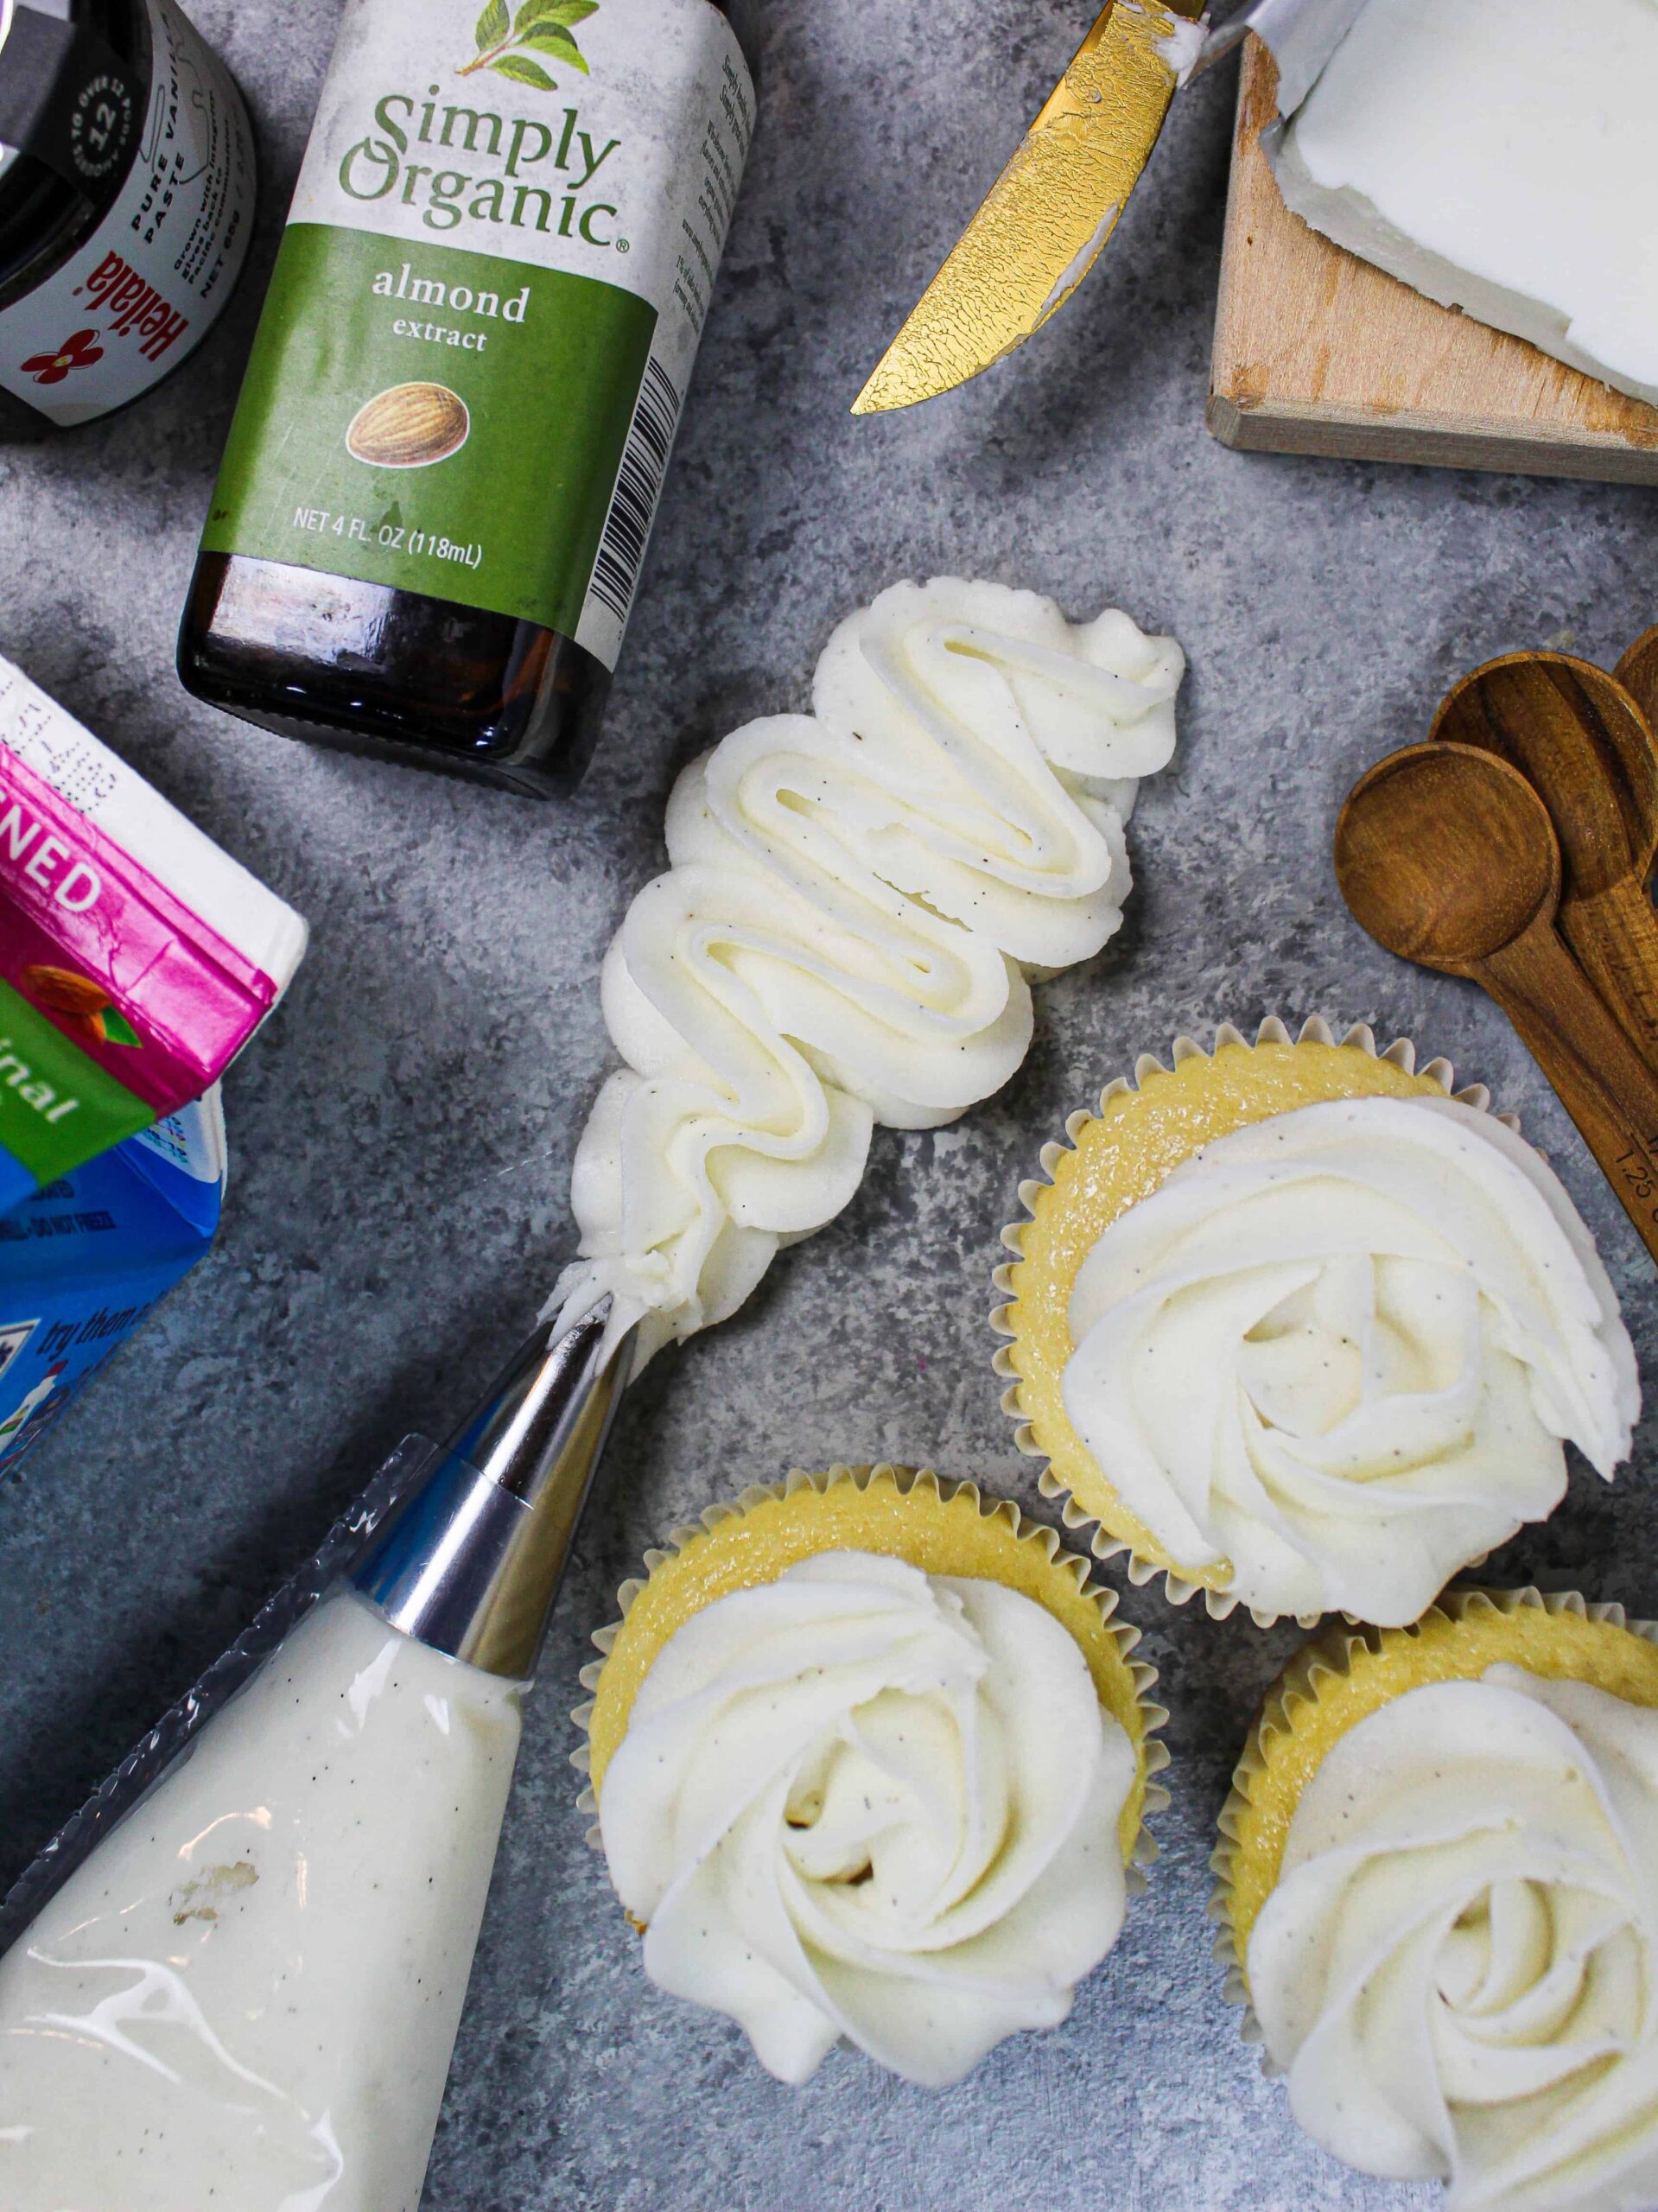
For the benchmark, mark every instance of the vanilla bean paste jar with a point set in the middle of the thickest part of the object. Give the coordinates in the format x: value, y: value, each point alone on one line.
x: 447, y: 458
x: 126, y: 200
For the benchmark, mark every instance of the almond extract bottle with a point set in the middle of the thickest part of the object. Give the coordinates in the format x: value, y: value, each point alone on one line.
x: 447, y: 456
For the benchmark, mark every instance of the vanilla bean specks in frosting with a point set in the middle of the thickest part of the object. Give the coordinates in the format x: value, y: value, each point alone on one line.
x: 1338, y: 1350
x: 856, y: 902
x: 1458, y: 1966
x: 864, y: 1801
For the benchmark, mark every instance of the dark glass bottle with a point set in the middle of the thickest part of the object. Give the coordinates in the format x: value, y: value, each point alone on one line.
x: 500, y: 693
x: 124, y: 209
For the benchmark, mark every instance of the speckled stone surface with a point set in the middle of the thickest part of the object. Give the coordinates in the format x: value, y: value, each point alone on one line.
x: 401, y: 1133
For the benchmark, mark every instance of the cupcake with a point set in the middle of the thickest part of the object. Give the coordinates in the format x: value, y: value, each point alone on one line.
x: 1438, y: 1892
x: 870, y: 1760
x: 1297, y: 1327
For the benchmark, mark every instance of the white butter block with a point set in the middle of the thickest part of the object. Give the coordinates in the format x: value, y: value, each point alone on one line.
x: 1501, y: 156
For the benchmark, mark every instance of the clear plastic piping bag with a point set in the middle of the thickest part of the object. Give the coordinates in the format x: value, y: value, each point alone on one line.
x: 152, y: 1755
x: 238, y: 1972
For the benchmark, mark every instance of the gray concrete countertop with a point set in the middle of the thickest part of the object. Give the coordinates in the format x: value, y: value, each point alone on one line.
x: 401, y: 1135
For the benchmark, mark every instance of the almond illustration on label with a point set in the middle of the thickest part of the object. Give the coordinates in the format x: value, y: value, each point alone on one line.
x: 84, y: 1008
x: 409, y: 426
x: 64, y: 991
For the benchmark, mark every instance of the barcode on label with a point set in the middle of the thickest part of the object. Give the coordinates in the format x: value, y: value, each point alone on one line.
x: 638, y: 486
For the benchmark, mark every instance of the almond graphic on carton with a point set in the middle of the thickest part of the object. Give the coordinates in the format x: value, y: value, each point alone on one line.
x: 64, y: 991
x: 83, y: 1007
x: 409, y: 426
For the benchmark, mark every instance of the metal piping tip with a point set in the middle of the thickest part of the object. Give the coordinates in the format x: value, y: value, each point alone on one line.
x: 470, y: 1563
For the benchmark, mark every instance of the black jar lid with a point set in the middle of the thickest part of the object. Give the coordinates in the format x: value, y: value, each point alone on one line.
x: 68, y: 100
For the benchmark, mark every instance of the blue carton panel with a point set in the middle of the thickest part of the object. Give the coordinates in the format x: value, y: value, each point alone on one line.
x: 84, y: 1260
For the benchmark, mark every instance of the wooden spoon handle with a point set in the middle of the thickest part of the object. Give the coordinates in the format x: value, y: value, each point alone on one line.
x: 1615, y: 937
x: 1638, y: 673
x: 1603, y: 1082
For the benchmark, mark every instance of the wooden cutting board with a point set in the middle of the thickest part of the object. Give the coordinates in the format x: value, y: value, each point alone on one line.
x: 1316, y: 352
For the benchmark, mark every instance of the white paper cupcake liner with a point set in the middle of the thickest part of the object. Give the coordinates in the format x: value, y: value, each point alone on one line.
x: 1153, y: 1716
x: 1333, y: 1655
x: 1179, y: 1589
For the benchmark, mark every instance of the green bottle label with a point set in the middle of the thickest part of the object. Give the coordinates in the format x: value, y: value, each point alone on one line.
x: 450, y: 424
x: 485, y: 311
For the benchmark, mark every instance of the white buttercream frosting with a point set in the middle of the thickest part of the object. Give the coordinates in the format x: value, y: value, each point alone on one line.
x: 1339, y: 1349
x: 863, y: 1801
x: 856, y: 900
x: 1458, y: 1966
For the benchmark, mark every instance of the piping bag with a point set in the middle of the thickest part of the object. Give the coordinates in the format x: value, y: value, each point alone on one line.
x: 241, y: 1966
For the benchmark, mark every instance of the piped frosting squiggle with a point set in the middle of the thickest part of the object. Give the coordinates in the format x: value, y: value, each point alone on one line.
x: 856, y: 900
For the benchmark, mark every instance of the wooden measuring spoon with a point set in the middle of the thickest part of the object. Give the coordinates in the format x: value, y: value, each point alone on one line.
x: 1638, y: 673
x: 1586, y: 748
x: 1446, y: 856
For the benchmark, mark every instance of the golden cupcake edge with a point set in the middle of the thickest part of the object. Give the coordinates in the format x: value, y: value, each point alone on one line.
x: 1092, y: 1177
x: 941, y: 1526
x: 1350, y: 1672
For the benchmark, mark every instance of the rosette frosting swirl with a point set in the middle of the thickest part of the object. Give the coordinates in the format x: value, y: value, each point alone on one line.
x: 1458, y: 1967
x: 855, y: 901
x: 862, y: 1801
x: 1338, y: 1350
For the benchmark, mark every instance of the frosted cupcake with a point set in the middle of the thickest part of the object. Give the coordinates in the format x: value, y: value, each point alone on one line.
x: 870, y: 1761
x: 1300, y: 1329
x: 1438, y: 1892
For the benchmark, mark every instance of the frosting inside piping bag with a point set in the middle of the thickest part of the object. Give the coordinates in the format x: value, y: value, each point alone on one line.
x: 856, y: 903
x: 248, y: 1994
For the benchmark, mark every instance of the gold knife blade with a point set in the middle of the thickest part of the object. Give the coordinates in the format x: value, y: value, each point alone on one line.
x: 1047, y: 215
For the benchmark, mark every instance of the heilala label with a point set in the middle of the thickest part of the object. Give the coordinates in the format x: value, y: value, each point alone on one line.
x: 130, y: 302
x: 484, y: 316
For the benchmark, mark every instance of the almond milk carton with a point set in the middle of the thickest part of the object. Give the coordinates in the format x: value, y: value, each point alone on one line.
x: 137, y: 958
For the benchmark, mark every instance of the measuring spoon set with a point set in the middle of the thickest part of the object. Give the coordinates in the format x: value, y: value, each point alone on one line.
x: 1515, y: 847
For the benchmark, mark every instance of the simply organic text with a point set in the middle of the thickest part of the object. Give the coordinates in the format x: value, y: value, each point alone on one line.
x: 375, y: 167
